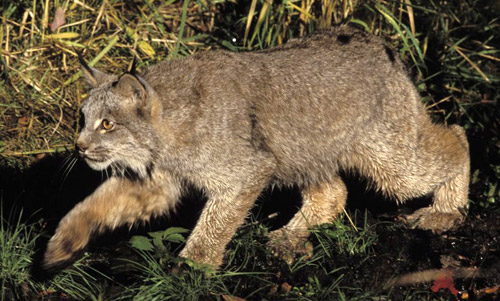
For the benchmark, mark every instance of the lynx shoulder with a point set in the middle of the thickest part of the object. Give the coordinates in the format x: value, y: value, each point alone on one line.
x: 233, y: 123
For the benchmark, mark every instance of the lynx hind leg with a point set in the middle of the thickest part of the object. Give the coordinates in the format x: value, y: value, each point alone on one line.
x: 450, y: 197
x: 321, y: 203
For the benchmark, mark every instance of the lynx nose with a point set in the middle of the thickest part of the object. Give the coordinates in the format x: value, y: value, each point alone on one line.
x: 82, y: 147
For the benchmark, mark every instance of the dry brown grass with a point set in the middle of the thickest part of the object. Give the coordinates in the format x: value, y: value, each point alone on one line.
x: 40, y: 92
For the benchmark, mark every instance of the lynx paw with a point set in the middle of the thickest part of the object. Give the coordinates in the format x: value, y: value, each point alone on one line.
x: 65, y: 246
x: 287, y: 247
x: 204, y: 256
x: 429, y: 219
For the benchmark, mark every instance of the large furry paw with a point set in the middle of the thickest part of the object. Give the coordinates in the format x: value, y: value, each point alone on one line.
x: 65, y: 246
x: 203, y: 256
x: 287, y: 247
x: 430, y: 219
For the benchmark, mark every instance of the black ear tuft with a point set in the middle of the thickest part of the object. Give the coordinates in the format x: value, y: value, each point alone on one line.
x: 82, y: 60
x: 86, y: 70
x: 93, y: 76
x: 133, y: 67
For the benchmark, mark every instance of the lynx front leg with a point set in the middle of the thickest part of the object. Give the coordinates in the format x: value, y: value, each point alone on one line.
x: 220, y: 218
x: 321, y: 203
x: 116, y: 202
x: 217, y: 224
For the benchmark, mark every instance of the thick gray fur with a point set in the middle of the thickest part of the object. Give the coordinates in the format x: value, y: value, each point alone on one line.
x: 233, y: 123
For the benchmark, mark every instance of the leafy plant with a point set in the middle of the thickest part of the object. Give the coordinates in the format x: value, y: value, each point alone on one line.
x: 158, y: 239
x: 160, y: 274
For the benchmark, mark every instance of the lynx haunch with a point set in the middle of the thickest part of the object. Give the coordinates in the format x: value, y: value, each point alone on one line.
x: 233, y: 123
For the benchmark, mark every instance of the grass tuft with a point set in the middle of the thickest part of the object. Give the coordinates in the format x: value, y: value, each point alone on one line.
x: 17, y: 249
x: 17, y: 244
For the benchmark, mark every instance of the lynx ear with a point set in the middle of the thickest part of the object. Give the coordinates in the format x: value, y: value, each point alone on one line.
x: 138, y: 95
x: 130, y: 85
x: 93, y: 76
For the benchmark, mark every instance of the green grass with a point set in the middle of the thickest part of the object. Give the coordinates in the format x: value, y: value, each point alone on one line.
x: 345, y: 238
x: 17, y: 250
x: 17, y: 243
x: 159, y: 275
x: 79, y: 282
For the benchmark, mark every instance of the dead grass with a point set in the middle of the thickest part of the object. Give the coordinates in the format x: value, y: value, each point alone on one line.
x: 40, y: 92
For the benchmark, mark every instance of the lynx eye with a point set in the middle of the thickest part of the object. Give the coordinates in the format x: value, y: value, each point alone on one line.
x: 107, y: 124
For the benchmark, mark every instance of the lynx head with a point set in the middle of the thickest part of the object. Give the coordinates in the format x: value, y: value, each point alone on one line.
x: 119, y: 116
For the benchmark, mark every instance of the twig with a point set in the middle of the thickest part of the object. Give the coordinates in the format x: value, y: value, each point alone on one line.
x: 57, y: 149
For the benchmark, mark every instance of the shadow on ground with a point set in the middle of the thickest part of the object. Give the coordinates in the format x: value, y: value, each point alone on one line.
x: 53, y: 185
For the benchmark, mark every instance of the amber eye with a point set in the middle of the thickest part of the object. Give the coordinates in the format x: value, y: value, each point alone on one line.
x: 107, y: 124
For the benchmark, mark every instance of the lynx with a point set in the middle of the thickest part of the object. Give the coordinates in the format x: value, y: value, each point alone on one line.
x: 232, y: 124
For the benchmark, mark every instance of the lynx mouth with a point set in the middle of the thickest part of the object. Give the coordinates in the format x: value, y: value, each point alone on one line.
x: 94, y: 160
x: 96, y: 163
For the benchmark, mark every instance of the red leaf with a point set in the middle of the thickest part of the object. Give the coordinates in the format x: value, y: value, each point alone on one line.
x: 444, y: 279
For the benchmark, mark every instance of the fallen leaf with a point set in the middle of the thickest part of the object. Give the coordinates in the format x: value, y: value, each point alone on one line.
x: 59, y: 19
x: 491, y: 290
x: 286, y: 287
x: 146, y: 48
x: 464, y: 295
x: 232, y: 298
x: 143, y: 45
x: 23, y: 121
x: 444, y: 279
x: 487, y: 291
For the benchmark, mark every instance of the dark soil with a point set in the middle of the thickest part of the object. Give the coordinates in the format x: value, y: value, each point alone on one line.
x: 400, y: 250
